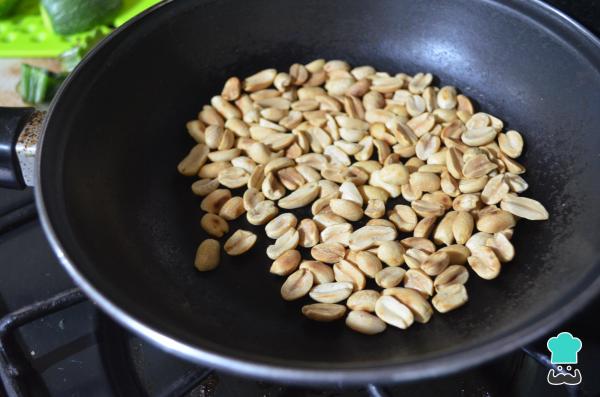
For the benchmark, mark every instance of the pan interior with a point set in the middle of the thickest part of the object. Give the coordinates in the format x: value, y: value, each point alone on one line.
x: 130, y: 223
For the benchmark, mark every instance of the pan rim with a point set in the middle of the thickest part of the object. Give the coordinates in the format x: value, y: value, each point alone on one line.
x: 299, y: 373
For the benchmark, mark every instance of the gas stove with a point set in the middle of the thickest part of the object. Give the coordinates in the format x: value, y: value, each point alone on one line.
x: 55, y: 342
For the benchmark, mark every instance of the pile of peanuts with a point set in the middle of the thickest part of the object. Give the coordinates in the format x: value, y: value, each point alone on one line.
x: 407, y: 186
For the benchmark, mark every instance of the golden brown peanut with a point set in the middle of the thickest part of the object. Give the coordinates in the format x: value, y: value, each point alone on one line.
x: 392, y: 190
x: 367, y: 262
x: 326, y: 219
x: 466, y: 202
x: 368, y: 236
x: 204, y: 187
x: 251, y: 198
x: 462, y: 227
x: 256, y: 178
x: 495, y: 190
x: 427, y: 208
x: 245, y: 163
x: 214, y: 225
x: 369, y: 192
x: 297, y: 285
x: 501, y: 246
x: 389, y: 277
x: 272, y: 188
x: 226, y: 109
x: 454, y: 162
x: 395, y: 174
x: 391, y: 253
x: 339, y: 233
x: 363, y: 300
x: 523, y: 207
x: 449, y: 184
x: 454, y: 274
x: 414, y: 257
x: 511, y: 165
x: 425, y: 227
x: 516, y: 183
x: 375, y: 208
x: 210, y: 116
x: 443, y: 233
x: 262, y: 213
x: 484, y: 262
x: 419, y: 281
x: 282, y: 81
x: 446, y: 97
x: 435, y: 263
x: 473, y: 185
x: 322, y: 273
x: 365, y: 323
x: 259, y: 152
x: 233, y: 177
x: 331, y: 292
x: 260, y: 80
x: 212, y: 170
x: 277, y: 164
x: 419, y: 82
x: 287, y: 263
x: 427, y: 145
x: 349, y: 191
x: 348, y: 272
x: 404, y: 218
x: 457, y: 253
x: 196, y: 130
x: 421, y: 243
x: 478, y: 166
x: 390, y: 310
x: 195, y: 159
x: 280, y: 224
x: 495, y: 221
x: 214, y: 201
x: 440, y: 198
x: 464, y: 104
x: 479, y: 136
x: 321, y: 205
x: 232, y: 209
x: 425, y: 181
x: 346, y: 209
x: 304, y: 195
x: 421, y: 309
x: 478, y: 239
x: 511, y: 143
x: 208, y: 255
x: 309, y: 174
x: 328, y: 252
x: 239, y: 242
x: 308, y: 233
x: 324, y: 312
x: 287, y: 241
x: 450, y: 298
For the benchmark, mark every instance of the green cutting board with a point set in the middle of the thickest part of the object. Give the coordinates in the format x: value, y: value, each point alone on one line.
x: 24, y: 35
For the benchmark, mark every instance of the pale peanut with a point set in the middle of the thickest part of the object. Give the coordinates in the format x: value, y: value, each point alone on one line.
x: 363, y: 300
x: 324, y: 312
x: 287, y: 263
x: 208, y: 255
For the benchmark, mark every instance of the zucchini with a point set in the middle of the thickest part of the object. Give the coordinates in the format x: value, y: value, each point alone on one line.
x: 76, y: 16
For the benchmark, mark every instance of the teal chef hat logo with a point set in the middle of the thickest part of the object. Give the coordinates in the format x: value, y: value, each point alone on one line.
x: 564, y: 348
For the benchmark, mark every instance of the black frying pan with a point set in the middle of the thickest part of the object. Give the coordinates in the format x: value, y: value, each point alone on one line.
x: 125, y: 225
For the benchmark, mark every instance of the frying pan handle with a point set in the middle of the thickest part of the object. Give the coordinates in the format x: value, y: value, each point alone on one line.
x: 19, y: 129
